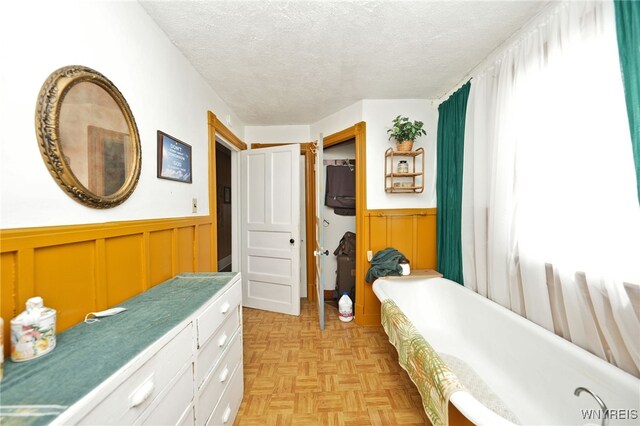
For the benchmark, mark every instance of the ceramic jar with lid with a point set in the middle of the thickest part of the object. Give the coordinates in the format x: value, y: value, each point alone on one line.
x: 33, y: 332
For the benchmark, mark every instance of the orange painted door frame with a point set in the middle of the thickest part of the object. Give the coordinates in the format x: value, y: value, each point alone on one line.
x: 359, y: 133
x: 215, y: 126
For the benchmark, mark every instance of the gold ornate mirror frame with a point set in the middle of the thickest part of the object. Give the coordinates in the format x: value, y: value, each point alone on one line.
x: 48, y: 129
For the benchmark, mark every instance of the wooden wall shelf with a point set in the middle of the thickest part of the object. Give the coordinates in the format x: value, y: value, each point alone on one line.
x: 411, y: 182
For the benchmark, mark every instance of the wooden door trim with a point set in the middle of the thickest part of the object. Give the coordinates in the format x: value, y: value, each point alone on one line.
x: 215, y: 126
x: 340, y: 137
x: 224, y: 131
x: 304, y: 146
x: 310, y: 208
x: 358, y: 132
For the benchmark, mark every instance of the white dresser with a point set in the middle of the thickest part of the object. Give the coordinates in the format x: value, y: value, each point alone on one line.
x: 192, y: 374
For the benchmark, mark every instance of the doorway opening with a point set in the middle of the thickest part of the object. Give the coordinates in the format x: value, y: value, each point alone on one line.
x: 339, y: 168
x: 223, y: 207
x: 356, y: 135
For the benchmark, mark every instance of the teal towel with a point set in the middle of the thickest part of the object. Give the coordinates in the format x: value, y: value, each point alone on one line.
x: 385, y: 262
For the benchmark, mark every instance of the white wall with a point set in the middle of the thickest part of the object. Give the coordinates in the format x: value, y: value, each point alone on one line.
x: 338, y: 225
x: 333, y: 123
x: 337, y: 121
x: 277, y: 134
x: 378, y: 115
x: 163, y: 90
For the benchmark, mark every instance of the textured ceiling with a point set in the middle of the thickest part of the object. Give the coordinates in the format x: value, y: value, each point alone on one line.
x: 295, y: 62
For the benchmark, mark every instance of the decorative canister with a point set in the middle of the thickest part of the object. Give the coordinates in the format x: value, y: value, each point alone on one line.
x: 405, y: 268
x: 403, y: 167
x: 33, y: 332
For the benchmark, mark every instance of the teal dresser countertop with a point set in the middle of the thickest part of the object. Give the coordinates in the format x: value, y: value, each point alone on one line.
x: 87, y: 354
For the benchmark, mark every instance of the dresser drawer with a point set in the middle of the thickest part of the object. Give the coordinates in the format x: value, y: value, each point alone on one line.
x: 137, y: 393
x: 171, y: 405
x: 216, y: 382
x: 209, y: 321
x: 227, y: 409
x: 210, y: 353
x: 188, y: 417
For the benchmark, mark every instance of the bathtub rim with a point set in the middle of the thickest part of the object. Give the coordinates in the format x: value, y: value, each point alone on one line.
x: 466, y: 403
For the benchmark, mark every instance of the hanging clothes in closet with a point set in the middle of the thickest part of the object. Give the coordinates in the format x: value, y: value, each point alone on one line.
x: 341, y: 189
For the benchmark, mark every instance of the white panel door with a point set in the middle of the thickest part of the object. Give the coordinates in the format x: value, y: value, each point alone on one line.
x: 271, y: 227
x: 320, y: 252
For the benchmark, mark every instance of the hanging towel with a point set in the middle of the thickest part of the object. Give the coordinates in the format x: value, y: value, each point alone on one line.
x: 435, y: 382
x: 341, y: 190
x: 385, y: 262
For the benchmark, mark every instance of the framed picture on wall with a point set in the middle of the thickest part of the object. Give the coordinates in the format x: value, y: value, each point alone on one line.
x: 227, y: 195
x: 174, y: 159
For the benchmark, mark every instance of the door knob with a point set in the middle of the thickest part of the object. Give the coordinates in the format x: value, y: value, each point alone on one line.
x: 292, y: 241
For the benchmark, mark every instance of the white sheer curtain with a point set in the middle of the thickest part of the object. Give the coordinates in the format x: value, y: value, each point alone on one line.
x: 551, y: 224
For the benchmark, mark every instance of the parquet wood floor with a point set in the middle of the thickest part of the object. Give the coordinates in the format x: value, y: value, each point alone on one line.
x: 347, y: 375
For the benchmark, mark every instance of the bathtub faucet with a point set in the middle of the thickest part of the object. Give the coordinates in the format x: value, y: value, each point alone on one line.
x: 603, y: 407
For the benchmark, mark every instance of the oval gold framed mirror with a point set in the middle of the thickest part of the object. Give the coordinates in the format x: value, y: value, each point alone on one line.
x: 88, y: 137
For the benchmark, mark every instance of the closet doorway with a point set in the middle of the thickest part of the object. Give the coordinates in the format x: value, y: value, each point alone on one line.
x: 339, y: 167
x: 356, y: 135
x: 223, y: 207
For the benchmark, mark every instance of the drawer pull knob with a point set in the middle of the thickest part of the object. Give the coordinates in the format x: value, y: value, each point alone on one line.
x: 225, y: 308
x: 227, y: 414
x: 141, y: 394
x: 224, y: 374
x: 222, y: 340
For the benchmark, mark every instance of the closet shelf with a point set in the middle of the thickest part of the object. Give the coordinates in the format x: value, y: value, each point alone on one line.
x: 405, y: 189
x: 403, y: 174
x: 415, y: 153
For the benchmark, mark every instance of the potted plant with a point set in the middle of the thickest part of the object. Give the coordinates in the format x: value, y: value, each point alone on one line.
x: 405, y: 132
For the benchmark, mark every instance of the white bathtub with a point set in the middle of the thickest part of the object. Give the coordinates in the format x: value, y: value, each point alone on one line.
x: 533, y: 371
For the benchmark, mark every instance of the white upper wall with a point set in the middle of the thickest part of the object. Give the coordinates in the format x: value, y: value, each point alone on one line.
x: 337, y: 121
x: 333, y: 123
x: 162, y: 88
x: 378, y: 115
x: 277, y: 134
x: 165, y: 93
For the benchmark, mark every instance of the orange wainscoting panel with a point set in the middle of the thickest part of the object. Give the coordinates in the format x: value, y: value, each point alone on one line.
x: 65, y: 277
x: 82, y: 268
x: 412, y: 232
x: 203, y: 248
x: 160, y: 256
x: 124, y: 263
x: 8, y: 296
x: 185, y: 249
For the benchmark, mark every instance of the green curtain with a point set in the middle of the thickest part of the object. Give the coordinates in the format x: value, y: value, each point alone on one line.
x: 628, y: 29
x: 452, y: 115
